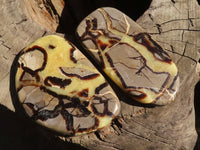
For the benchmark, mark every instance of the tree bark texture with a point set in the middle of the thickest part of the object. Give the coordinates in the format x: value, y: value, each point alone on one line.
x: 175, y: 24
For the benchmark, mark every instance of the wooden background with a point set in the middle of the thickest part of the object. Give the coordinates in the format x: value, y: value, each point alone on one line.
x: 175, y: 24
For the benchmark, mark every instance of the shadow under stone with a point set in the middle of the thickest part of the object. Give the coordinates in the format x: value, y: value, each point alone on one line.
x: 16, y: 133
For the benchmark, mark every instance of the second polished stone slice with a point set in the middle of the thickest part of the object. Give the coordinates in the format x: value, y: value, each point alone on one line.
x: 129, y: 56
x: 60, y: 88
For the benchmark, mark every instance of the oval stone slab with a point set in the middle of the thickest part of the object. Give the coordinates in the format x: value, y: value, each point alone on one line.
x: 60, y: 88
x: 129, y: 56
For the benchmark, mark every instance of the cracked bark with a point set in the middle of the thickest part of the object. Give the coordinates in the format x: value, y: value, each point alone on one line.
x: 173, y: 23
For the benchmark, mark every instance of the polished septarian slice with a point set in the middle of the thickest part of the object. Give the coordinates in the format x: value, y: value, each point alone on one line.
x: 129, y: 56
x: 60, y: 88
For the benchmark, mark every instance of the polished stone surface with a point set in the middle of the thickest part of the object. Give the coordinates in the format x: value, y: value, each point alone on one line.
x: 129, y: 56
x: 60, y: 88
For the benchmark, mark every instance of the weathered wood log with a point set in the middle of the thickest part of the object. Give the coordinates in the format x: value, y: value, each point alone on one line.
x: 174, y: 24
